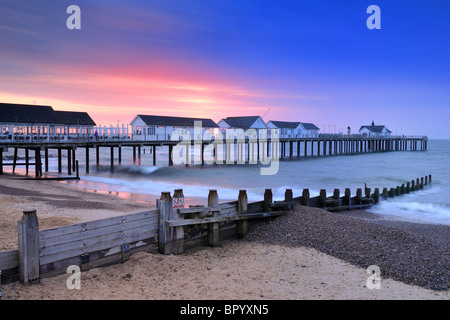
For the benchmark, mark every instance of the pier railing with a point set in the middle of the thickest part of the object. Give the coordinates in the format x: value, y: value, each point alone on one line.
x: 85, y: 138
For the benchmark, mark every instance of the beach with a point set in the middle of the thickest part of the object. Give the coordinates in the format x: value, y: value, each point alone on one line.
x: 306, y: 254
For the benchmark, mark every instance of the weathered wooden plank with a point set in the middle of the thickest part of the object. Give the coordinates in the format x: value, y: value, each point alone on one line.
x: 9, y: 259
x: 229, y: 210
x: 99, y: 258
x: 101, y: 223
x: 187, y: 222
x: 85, y: 242
x: 94, y: 232
x: 102, y: 243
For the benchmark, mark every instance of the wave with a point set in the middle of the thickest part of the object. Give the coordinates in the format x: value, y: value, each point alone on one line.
x: 420, y: 212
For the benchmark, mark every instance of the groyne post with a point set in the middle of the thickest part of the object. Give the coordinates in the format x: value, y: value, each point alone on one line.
x: 336, y: 194
x: 177, y: 232
x: 242, y: 225
x: 305, y: 197
x: 28, y: 240
x: 385, y: 193
x: 288, y: 195
x: 323, y: 198
x: 376, y: 195
x: 213, y: 228
x: 165, y: 212
x: 347, y: 197
x: 268, y: 199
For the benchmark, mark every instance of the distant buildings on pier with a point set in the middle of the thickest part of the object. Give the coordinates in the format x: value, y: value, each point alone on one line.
x: 43, y: 123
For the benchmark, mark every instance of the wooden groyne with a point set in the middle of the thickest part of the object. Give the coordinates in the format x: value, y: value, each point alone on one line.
x: 283, y: 148
x: 170, y: 228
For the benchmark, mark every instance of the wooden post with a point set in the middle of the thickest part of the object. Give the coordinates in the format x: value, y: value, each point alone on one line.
x: 376, y: 195
x: 27, y: 160
x: 120, y: 154
x: 408, y: 186
x: 15, y: 160
x: 46, y: 159
x: 426, y: 180
x: 323, y: 198
x: 139, y: 155
x: 288, y: 195
x: 242, y: 225
x: 417, y: 184
x: 213, y: 228
x: 37, y: 162
x: 59, y: 160
x: 268, y: 200
x: 73, y: 159
x: 154, y: 155
x: 28, y: 239
x: 87, y: 159
x: 336, y: 194
x: 421, y: 183
x: 69, y: 162
x: 213, y: 234
x: 170, y: 156
x: 391, y: 192
x: 77, y: 169
x: 385, y: 193
x: 413, y: 185
x: 306, y: 148
x: 177, y: 232
x: 163, y: 230
x: 367, y: 192
x: 429, y: 179
x: 348, y: 196
x: 358, y: 195
x: 165, y: 233
x: 305, y: 197
x: 112, y: 159
x: 213, y: 199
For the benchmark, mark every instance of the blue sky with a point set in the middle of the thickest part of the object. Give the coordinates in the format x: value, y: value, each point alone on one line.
x: 311, y: 61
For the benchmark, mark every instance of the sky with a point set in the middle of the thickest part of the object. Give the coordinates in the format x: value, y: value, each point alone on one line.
x: 286, y: 60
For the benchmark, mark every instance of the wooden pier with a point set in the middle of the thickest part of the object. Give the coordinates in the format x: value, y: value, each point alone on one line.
x: 283, y: 148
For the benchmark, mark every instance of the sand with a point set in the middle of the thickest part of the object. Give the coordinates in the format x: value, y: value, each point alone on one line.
x: 235, y: 270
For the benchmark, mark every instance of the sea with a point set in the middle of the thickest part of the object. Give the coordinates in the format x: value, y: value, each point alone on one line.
x: 145, y: 182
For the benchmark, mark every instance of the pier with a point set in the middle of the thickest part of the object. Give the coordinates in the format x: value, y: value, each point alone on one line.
x: 239, y: 151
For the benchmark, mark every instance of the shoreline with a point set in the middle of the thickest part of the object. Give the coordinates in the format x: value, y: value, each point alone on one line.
x: 238, y: 269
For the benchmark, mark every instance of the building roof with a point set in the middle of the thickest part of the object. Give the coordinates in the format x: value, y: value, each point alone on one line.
x: 75, y: 118
x: 241, y: 122
x: 285, y: 124
x: 375, y: 129
x: 309, y: 126
x: 24, y: 113
x: 21, y: 113
x: 176, y: 121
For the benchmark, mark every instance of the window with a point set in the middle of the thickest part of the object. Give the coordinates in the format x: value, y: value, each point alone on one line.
x: 151, y: 130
